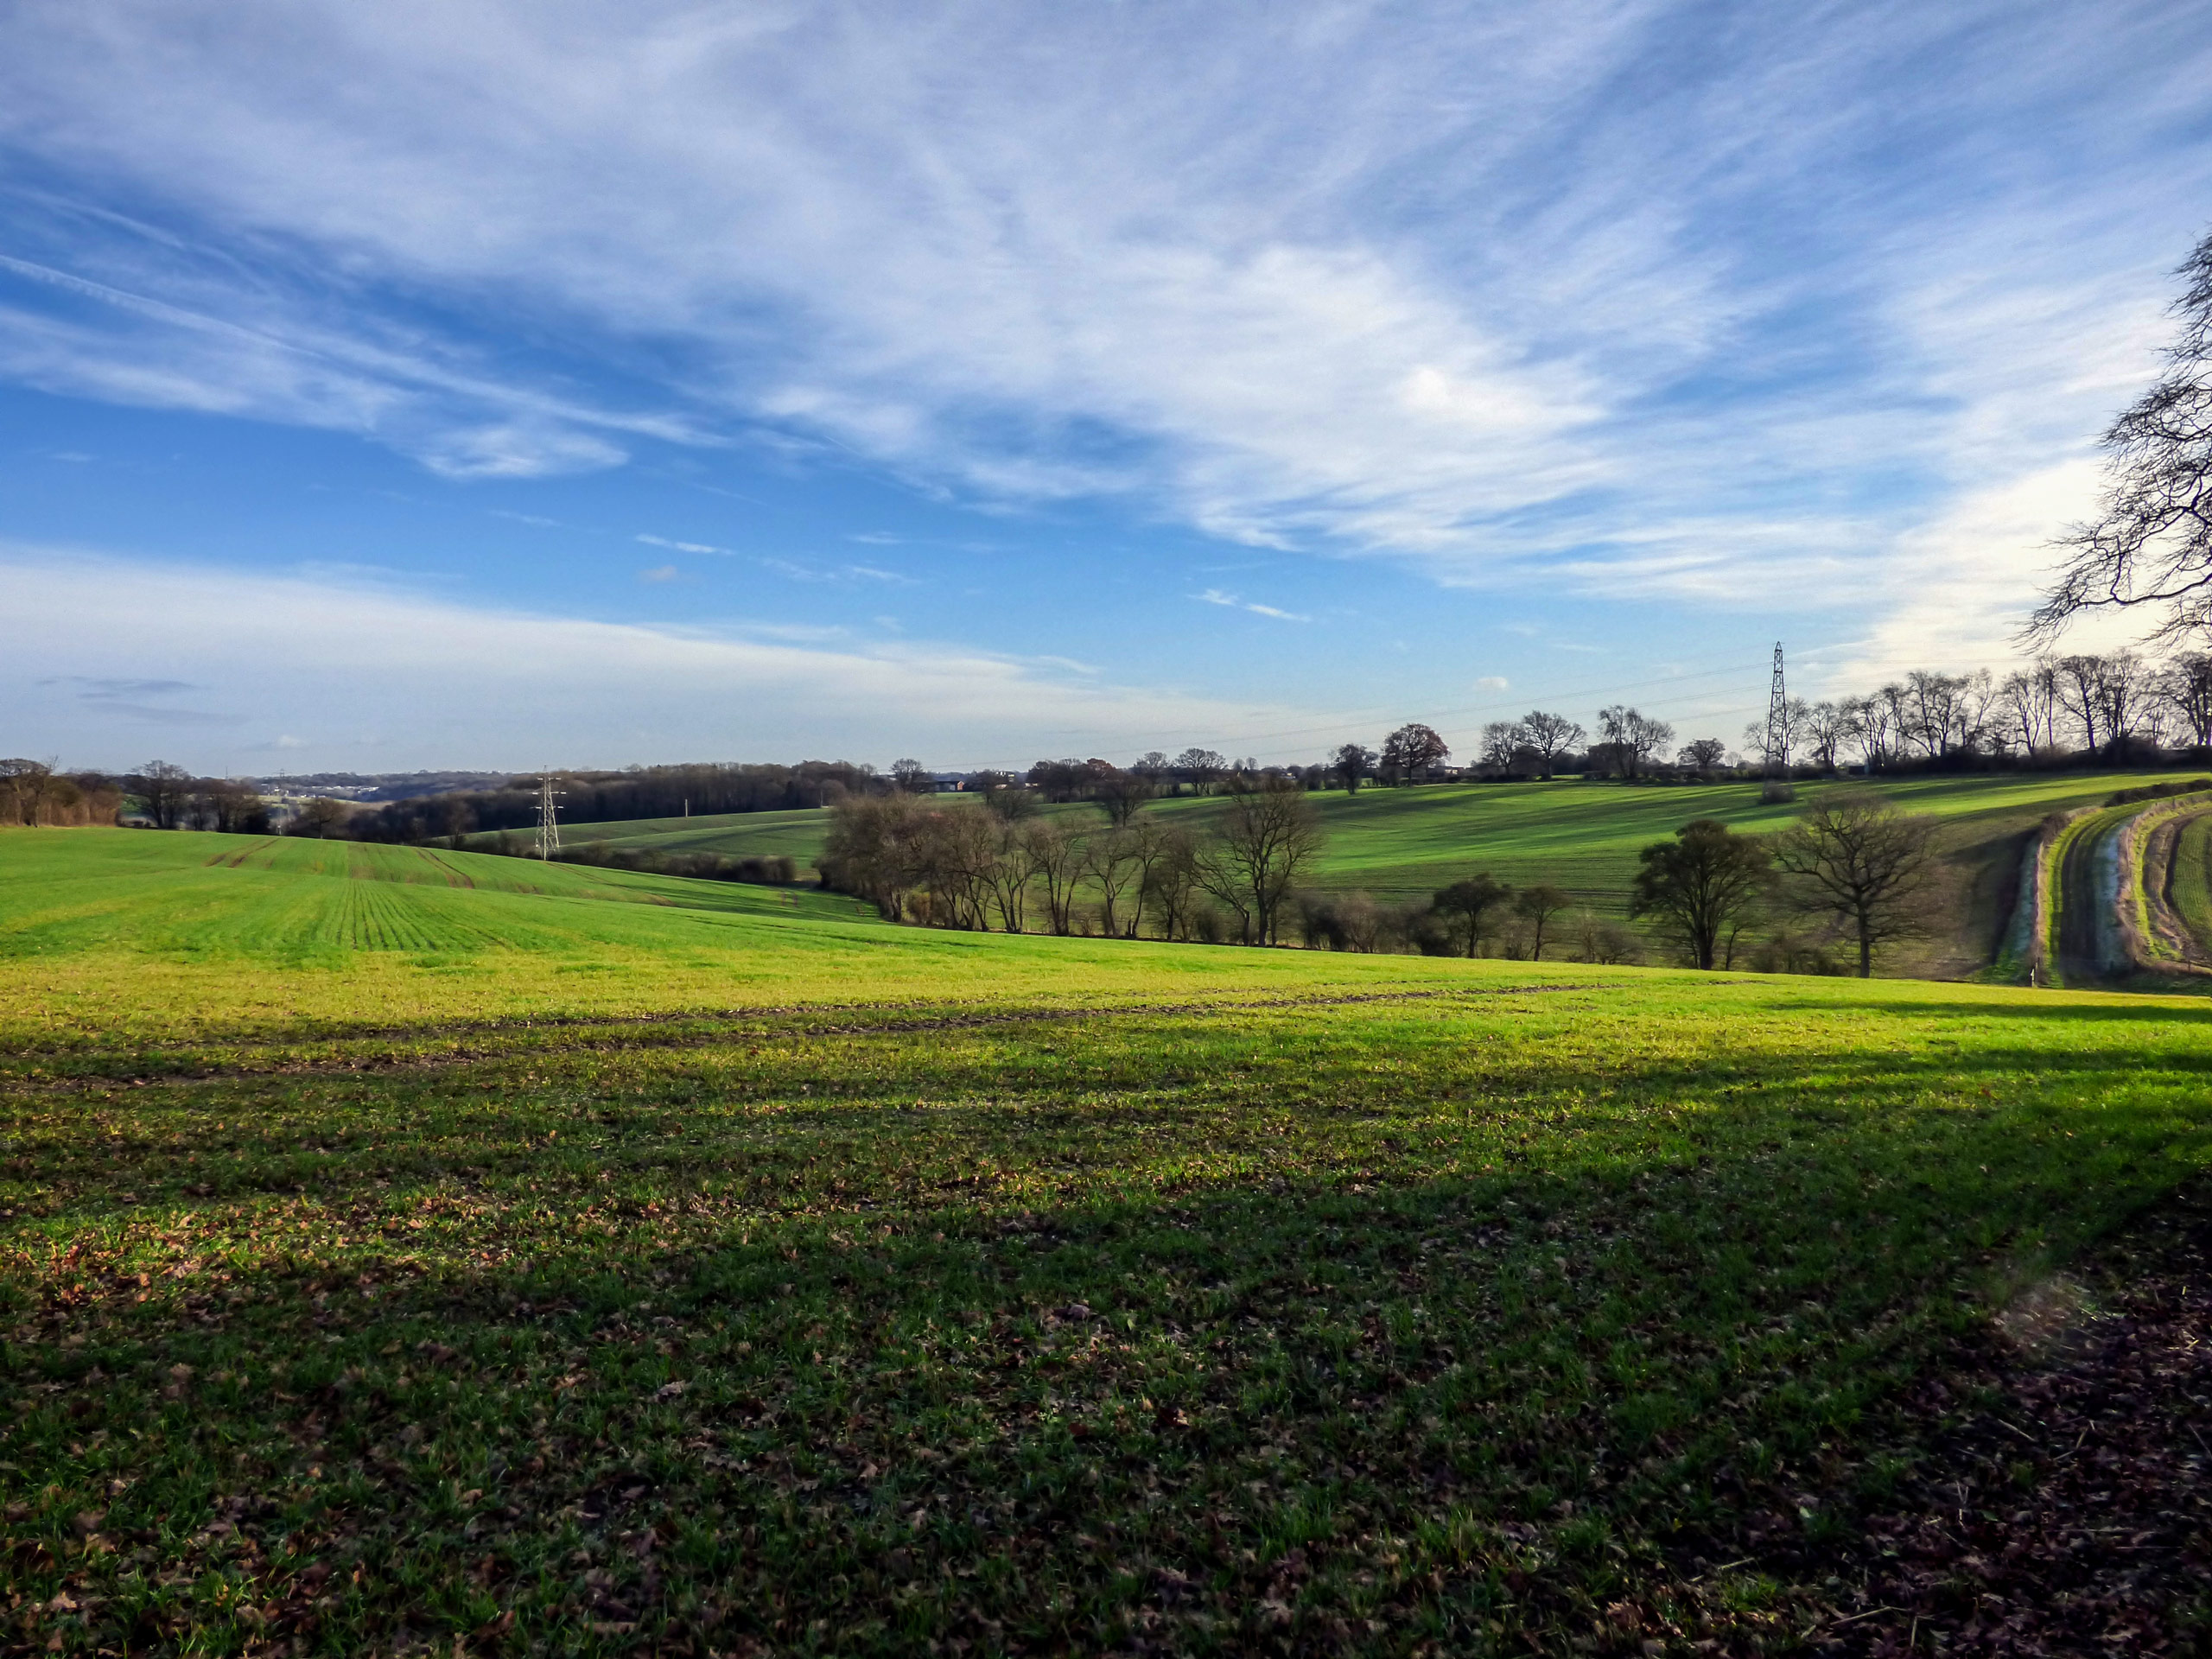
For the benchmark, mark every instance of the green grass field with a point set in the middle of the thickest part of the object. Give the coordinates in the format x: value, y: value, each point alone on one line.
x: 2190, y: 884
x: 389, y: 1264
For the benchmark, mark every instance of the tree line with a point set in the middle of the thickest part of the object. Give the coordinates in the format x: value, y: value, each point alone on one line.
x: 1009, y: 867
x: 1851, y: 872
x: 2112, y: 708
x: 33, y: 794
x: 614, y: 797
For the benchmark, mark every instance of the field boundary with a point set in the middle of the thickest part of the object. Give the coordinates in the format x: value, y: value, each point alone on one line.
x: 2155, y: 939
x: 2031, y: 940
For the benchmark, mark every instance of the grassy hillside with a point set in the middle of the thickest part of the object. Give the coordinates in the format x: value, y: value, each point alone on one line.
x: 2190, y: 882
x: 695, y: 1272
x: 796, y: 835
x: 1405, y: 843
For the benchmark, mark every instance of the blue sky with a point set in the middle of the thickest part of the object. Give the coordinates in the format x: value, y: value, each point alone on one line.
x: 449, y: 385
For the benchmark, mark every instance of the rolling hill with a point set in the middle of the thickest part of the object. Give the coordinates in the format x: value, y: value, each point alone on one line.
x: 1404, y: 843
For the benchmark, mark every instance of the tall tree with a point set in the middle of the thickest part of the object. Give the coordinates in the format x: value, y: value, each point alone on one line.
x: 1170, y: 890
x: 1827, y: 727
x: 1352, y: 764
x: 1701, y: 885
x: 1705, y: 754
x: 163, y: 789
x: 1503, y: 740
x: 2081, y: 693
x: 1853, y: 856
x: 1123, y: 795
x: 27, y: 783
x: 2150, y: 542
x: 1636, y: 737
x: 2123, y: 689
x: 1115, y: 861
x: 1536, y: 906
x: 2187, y: 686
x: 1056, y: 858
x: 1268, y: 833
x: 1202, y: 767
x: 1409, y: 752
x: 1467, y: 906
x: 1549, y: 737
x: 1012, y: 866
x: 910, y: 775
x: 318, y: 817
x: 2027, y: 706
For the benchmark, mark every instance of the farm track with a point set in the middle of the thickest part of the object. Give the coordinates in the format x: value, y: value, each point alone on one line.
x: 534, y: 1034
x: 2082, y: 900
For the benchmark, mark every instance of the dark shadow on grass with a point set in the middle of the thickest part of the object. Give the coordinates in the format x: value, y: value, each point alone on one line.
x: 1287, y: 1407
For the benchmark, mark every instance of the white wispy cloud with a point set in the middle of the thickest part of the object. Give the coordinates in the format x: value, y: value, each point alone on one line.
x: 1230, y: 601
x: 682, y: 547
x: 1597, y: 292
x: 847, y: 574
x: 330, y: 664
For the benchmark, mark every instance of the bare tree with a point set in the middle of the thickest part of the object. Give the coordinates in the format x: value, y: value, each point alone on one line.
x: 1550, y: 736
x: 1703, y: 755
x: 1795, y: 711
x: 1853, y: 856
x: 1170, y: 889
x: 1267, y: 835
x: 869, y: 851
x: 2186, y: 687
x: 910, y: 775
x: 1701, y: 885
x: 955, y: 859
x: 318, y: 817
x: 1011, y: 803
x: 1114, y: 862
x: 28, y: 782
x: 1123, y: 795
x: 1501, y: 740
x: 1536, y: 906
x: 2123, y: 689
x: 1467, y: 906
x: 1352, y: 764
x: 1203, y: 767
x: 1149, y: 842
x: 2027, y: 706
x: 1827, y: 727
x: 1602, y: 939
x: 1011, y: 869
x: 1944, y: 714
x: 1410, y: 751
x: 162, y: 790
x: 1636, y: 737
x: 1876, y: 715
x: 2150, y: 542
x: 1056, y: 857
x: 2080, y: 680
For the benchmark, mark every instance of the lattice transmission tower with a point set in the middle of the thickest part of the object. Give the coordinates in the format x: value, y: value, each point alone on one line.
x: 549, y: 827
x: 1777, y: 721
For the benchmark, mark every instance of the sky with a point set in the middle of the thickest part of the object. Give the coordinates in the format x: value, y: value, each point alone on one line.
x: 453, y: 384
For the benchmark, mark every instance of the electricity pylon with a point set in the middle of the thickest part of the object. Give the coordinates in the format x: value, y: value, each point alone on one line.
x: 1778, y: 724
x: 549, y: 827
